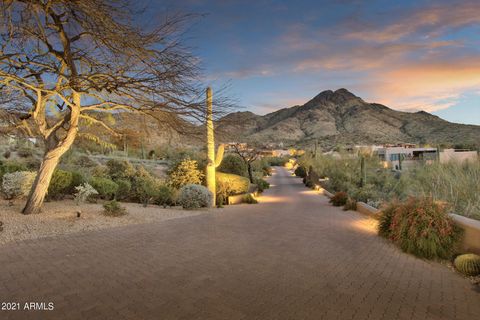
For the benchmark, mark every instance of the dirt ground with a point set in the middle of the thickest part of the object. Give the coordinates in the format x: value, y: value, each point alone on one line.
x: 60, y: 217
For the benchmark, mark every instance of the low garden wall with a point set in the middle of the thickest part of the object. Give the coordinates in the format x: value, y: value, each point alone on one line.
x: 471, y: 236
x: 237, y: 199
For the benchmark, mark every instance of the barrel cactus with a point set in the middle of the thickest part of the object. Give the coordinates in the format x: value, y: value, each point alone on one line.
x: 468, y: 264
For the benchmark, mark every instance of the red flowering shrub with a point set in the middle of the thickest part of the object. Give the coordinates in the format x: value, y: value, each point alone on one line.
x: 420, y: 226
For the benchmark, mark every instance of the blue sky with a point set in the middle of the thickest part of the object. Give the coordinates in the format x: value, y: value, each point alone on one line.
x: 408, y: 55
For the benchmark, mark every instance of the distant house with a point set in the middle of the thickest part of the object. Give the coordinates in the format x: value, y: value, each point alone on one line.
x: 402, y: 156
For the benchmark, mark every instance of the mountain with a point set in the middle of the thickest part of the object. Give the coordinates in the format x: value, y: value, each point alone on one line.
x: 341, y: 118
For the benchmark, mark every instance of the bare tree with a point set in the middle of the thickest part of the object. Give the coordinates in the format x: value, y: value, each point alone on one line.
x: 248, y: 155
x: 69, y: 61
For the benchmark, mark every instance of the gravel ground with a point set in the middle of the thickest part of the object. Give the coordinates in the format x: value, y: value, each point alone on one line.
x: 59, y: 218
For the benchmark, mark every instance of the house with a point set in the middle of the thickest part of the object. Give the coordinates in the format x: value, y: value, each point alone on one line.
x: 402, y: 156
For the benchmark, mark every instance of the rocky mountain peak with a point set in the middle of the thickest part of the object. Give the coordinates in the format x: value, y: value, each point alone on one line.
x: 339, y: 96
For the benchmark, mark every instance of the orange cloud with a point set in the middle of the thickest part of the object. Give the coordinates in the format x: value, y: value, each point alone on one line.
x: 428, y: 87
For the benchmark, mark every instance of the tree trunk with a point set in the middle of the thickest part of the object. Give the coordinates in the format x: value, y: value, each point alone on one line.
x: 40, y: 185
x: 250, y: 174
x: 55, y: 150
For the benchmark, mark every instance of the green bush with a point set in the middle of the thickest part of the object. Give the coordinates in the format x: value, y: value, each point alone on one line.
x: 220, y: 201
x: 193, y: 196
x: 114, y: 209
x: 120, y: 169
x: 124, y: 189
x: 165, y: 196
x: 262, y: 185
x: 231, y: 184
x: 77, y: 179
x: 84, y: 161
x: 301, y: 172
x: 10, y: 167
x: 106, y: 188
x: 146, y: 189
x: 100, y: 171
x: 248, y: 198
x: 184, y: 173
x: 233, y: 164
x: 60, y: 184
x: 422, y: 227
x: 277, y: 161
x: 339, y: 199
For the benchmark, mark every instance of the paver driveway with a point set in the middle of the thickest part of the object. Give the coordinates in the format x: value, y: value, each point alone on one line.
x: 291, y: 257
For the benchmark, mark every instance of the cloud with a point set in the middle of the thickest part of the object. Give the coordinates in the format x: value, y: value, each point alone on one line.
x: 430, y: 87
x: 429, y: 22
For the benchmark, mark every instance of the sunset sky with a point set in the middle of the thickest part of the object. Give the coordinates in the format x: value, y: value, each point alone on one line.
x: 408, y: 55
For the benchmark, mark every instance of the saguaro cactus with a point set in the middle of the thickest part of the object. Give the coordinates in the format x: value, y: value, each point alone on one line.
x: 212, y: 161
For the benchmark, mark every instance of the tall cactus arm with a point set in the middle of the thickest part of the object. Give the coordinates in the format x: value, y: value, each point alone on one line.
x: 219, y: 156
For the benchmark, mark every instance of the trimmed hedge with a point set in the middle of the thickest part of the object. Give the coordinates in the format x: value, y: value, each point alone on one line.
x: 231, y: 184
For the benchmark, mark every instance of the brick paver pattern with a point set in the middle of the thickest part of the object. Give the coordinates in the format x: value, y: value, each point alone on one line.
x: 293, y: 256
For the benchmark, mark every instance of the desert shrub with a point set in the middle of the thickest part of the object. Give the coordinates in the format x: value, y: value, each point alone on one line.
x: 165, y: 196
x: 339, y: 199
x: 120, y: 169
x: 113, y: 209
x: 146, y: 189
x: 32, y: 164
x: 59, y: 184
x: 262, y: 185
x: 10, y: 167
x: 231, y: 184
x: 351, y: 204
x: 17, y: 184
x: 100, y: 171
x: 233, y: 164
x: 84, y: 161
x: 124, y: 189
x: 248, y: 198
x: 25, y: 152
x: 422, y: 227
x: 7, y: 154
x: 194, y: 196
x: 468, y: 264
x: 106, y: 187
x: 301, y: 172
x: 277, y: 161
x: 83, y: 192
x: 365, y: 194
x: 386, y: 217
x: 184, y: 173
x: 220, y: 201
x: 78, y: 179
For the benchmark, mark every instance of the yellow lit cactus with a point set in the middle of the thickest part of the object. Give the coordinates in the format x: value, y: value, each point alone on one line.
x: 212, y: 161
x: 468, y: 264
